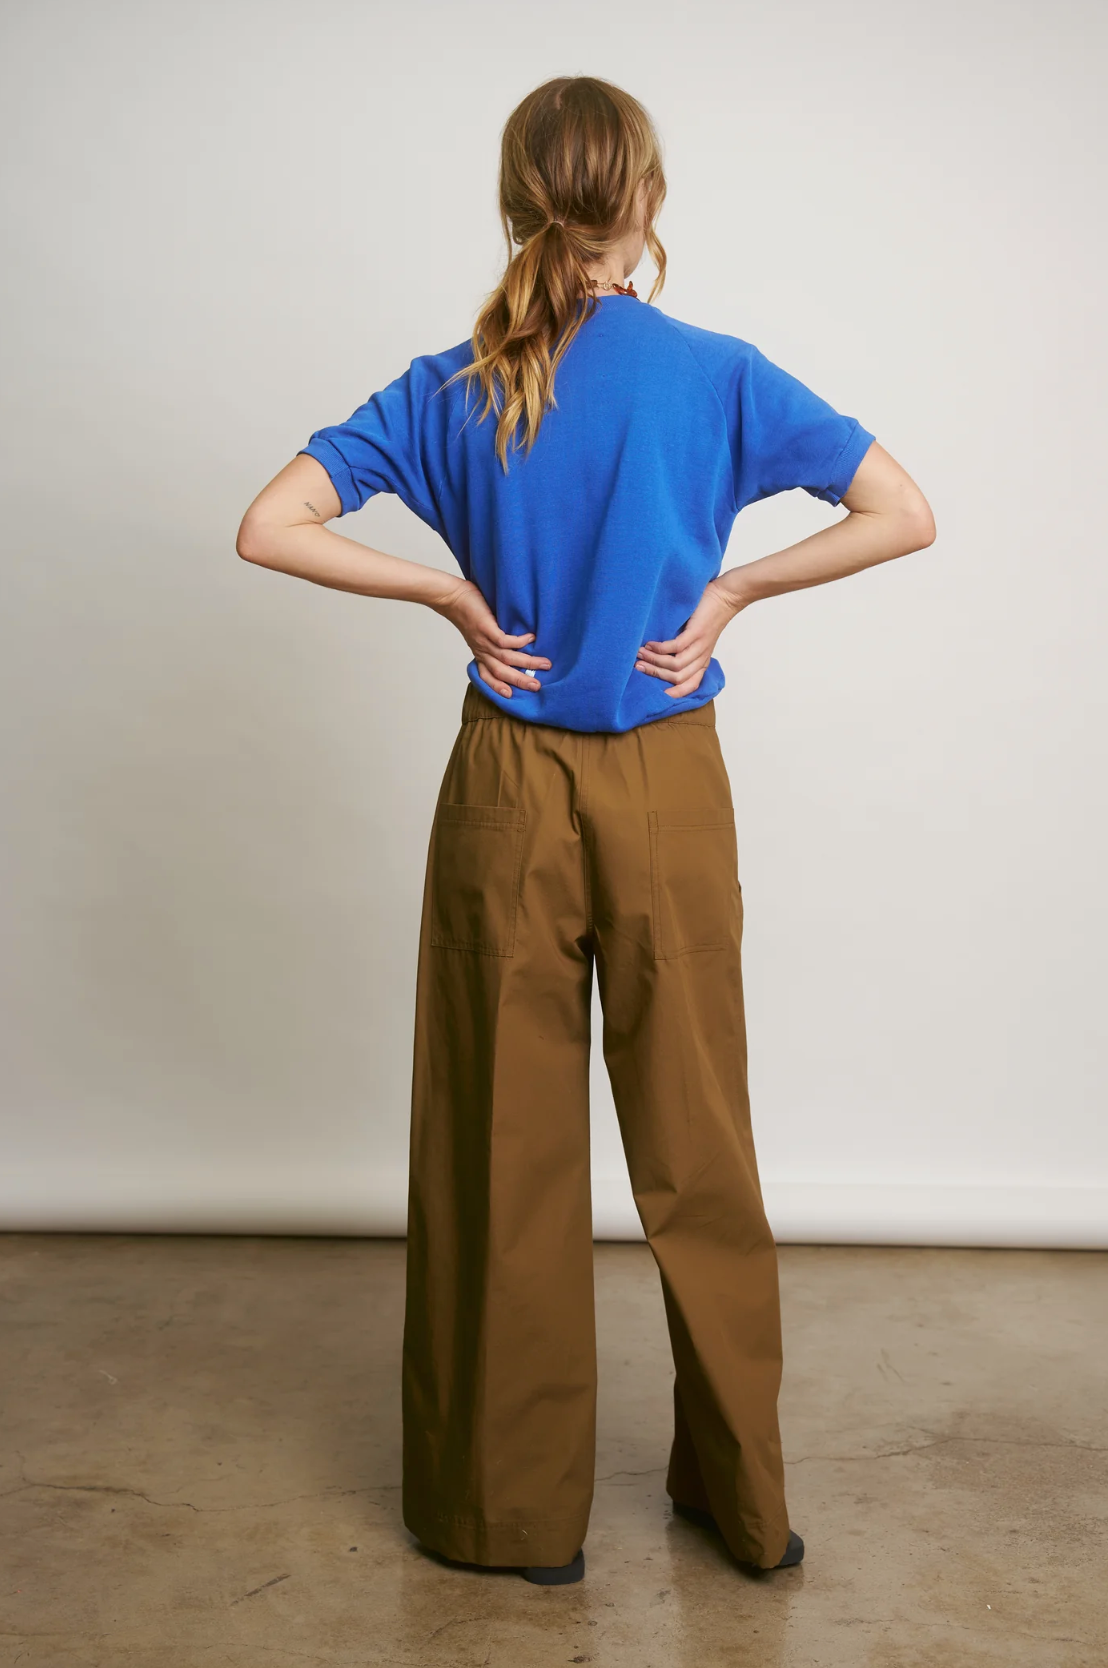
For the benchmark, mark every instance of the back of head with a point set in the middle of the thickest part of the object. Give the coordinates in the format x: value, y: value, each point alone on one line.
x: 580, y: 168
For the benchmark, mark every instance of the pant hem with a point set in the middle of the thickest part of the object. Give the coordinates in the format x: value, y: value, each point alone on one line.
x: 763, y: 1542
x: 474, y: 1540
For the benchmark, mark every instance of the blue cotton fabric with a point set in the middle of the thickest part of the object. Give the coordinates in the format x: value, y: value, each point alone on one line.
x: 603, y: 536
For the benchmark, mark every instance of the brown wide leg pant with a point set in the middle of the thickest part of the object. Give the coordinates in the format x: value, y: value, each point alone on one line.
x: 551, y: 849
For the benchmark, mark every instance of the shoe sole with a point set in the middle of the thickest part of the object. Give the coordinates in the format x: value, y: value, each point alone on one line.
x: 556, y: 1575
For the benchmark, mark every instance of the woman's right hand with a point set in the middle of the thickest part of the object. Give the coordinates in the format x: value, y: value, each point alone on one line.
x: 500, y: 658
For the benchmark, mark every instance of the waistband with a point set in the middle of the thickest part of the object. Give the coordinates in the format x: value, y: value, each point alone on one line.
x: 476, y: 707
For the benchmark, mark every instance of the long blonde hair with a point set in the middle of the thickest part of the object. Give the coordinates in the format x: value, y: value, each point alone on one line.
x: 573, y: 156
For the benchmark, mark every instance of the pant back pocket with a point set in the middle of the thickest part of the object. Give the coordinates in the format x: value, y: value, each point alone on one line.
x: 476, y: 860
x: 694, y: 879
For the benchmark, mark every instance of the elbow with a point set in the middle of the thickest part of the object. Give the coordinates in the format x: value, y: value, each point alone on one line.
x: 920, y: 525
x: 251, y: 543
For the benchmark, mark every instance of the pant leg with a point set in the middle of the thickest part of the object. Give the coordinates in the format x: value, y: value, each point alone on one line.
x: 668, y: 929
x: 499, y: 1378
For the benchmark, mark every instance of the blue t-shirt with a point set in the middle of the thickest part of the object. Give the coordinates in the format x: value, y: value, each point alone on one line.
x: 604, y: 536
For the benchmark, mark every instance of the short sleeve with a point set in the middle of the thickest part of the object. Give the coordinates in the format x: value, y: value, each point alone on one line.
x: 788, y: 437
x: 379, y: 449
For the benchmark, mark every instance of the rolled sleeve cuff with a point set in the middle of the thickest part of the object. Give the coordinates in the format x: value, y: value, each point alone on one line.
x: 845, y: 466
x: 337, y: 467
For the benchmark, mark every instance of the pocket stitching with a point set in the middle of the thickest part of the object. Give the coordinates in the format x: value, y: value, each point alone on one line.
x: 482, y: 816
x: 512, y: 821
x: 679, y: 822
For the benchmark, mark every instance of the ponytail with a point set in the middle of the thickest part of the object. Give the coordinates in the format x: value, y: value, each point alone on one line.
x: 574, y: 156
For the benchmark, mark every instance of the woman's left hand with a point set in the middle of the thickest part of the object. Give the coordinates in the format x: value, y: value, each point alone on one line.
x: 683, y: 661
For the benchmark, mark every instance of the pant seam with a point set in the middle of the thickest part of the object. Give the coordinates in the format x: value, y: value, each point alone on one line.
x: 582, y: 798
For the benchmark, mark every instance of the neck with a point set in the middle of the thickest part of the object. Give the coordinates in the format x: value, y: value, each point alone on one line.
x: 617, y: 265
x: 606, y: 273
x: 598, y: 291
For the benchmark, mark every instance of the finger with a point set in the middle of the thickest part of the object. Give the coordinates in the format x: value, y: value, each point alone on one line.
x: 657, y: 672
x: 687, y: 687
x: 487, y: 644
x: 537, y: 662
x: 670, y: 647
x: 677, y: 663
x: 656, y: 654
x: 487, y: 676
x: 674, y: 662
x: 521, y: 680
x: 503, y: 641
x: 677, y: 675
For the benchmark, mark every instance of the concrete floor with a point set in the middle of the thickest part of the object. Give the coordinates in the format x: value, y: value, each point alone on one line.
x: 201, y: 1469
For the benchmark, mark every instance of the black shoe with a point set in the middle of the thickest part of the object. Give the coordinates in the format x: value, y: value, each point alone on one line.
x: 556, y: 1575
x: 793, y: 1553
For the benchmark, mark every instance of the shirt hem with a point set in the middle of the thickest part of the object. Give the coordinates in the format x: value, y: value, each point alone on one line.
x: 688, y: 706
x: 845, y: 466
x: 329, y: 456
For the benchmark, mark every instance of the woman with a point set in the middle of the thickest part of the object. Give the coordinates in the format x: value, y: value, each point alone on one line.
x: 584, y: 458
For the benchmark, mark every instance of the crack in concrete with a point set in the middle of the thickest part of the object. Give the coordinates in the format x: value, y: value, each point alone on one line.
x: 96, y: 1488
x: 653, y: 1471
x: 945, y: 1441
x: 246, y: 1506
x: 458, y: 1621
x: 49, y: 1633
x: 254, y: 1591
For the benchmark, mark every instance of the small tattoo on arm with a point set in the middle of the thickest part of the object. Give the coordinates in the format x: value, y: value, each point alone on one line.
x: 313, y: 509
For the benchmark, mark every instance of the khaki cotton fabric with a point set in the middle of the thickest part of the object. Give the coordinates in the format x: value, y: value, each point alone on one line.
x: 553, y: 851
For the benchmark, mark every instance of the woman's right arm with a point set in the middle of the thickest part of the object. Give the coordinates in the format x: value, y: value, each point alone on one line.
x: 284, y: 529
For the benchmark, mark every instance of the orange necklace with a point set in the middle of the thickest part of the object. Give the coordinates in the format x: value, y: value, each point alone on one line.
x: 620, y: 289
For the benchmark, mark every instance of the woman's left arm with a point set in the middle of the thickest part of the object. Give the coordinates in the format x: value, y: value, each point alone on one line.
x: 888, y: 516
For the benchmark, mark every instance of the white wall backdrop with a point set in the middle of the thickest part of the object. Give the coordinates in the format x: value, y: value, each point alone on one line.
x: 225, y: 226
